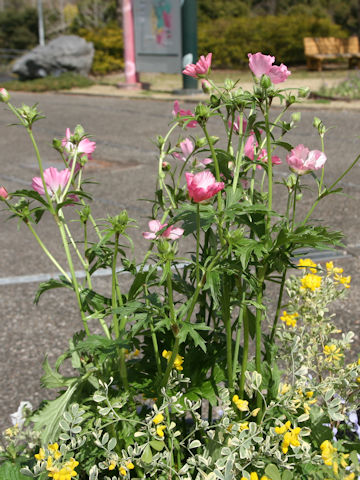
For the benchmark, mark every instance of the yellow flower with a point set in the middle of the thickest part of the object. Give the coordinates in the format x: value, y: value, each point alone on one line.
x: 242, y: 405
x: 333, y: 270
x: 158, y: 418
x: 244, y: 426
x: 284, y: 388
x: 40, y: 455
x: 289, y: 318
x: 309, y: 394
x: 254, y: 476
x: 351, y: 476
x: 53, y: 447
x: 179, y: 360
x: 160, y: 430
x: 327, y: 452
x: 307, y: 263
x: 336, y: 468
x: 332, y: 353
x: 344, y: 457
x: 255, y: 412
x: 112, y: 465
x: 311, y: 282
x: 122, y: 471
x: 130, y: 466
x: 283, y: 429
x: 340, y: 280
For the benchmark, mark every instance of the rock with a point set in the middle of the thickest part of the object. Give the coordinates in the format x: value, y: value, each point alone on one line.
x: 67, y: 53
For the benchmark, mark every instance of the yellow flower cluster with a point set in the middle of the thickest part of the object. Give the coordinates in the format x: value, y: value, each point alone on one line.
x: 330, y: 458
x: 307, y: 263
x: 179, y: 360
x: 289, y: 318
x: 62, y: 471
x: 157, y: 420
x: 284, y: 388
x: 311, y: 282
x: 290, y: 436
x: 336, y: 271
x: 254, y: 476
x: 332, y: 354
x: 242, y: 405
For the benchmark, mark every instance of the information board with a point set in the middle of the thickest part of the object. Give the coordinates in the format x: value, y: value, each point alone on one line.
x: 158, y: 35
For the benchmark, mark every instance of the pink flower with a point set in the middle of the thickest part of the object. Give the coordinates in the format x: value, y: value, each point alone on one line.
x: 250, y: 149
x: 263, y: 65
x: 260, y: 64
x: 301, y: 160
x: 172, y: 233
x: 262, y: 157
x: 85, y: 147
x: 177, y: 112
x: 200, y: 69
x: 237, y: 124
x: 203, y: 185
x: 55, y: 181
x: 202, y: 163
x: 187, y: 147
x: 3, y: 193
x: 279, y: 74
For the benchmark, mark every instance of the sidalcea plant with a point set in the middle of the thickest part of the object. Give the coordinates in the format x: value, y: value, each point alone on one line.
x: 170, y: 390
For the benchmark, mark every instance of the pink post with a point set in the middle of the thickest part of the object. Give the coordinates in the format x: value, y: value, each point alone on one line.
x: 131, y: 76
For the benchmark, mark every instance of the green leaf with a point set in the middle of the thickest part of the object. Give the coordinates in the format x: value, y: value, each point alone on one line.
x: 53, y: 379
x: 188, y: 214
x: 47, y: 419
x: 9, y: 471
x: 30, y: 194
x: 272, y: 471
x: 157, y: 445
x: 188, y: 328
x: 146, y: 456
x: 50, y: 284
x: 287, y: 475
x: 91, y: 299
x: 97, y: 343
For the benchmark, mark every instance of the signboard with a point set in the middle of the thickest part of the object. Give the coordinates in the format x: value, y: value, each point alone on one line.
x: 157, y: 35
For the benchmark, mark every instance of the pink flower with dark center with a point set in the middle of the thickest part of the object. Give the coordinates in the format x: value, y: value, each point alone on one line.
x: 200, y: 69
x: 263, y: 65
x: 171, y: 233
x: 55, y: 181
x: 3, y: 193
x: 202, y: 185
x: 301, y: 160
x: 177, y: 112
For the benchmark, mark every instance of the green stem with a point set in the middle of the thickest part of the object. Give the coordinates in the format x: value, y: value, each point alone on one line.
x: 228, y: 330
x: 245, y: 353
x: 269, y: 161
x: 197, y: 243
x: 239, y: 324
x: 72, y: 271
x: 258, y: 321
x: 170, y: 294
x: 278, y: 307
x: 42, y: 245
x: 48, y: 198
x: 114, y: 300
x: 294, y: 203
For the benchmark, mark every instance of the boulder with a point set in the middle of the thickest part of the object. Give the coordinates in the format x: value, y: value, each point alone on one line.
x: 67, y: 53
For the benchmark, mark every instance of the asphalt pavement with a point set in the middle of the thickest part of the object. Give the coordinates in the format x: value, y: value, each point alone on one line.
x: 124, y: 165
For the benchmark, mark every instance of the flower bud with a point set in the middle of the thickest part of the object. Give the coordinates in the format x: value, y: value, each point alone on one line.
x: 57, y: 145
x: 3, y: 193
x: 202, y: 113
x: 318, y: 124
x: 265, y: 81
x: 160, y: 141
x: 165, y: 166
x: 84, y: 214
x: 304, y: 92
x: 290, y: 100
x: 4, y: 95
x: 206, y: 86
x: 229, y: 84
x: 200, y: 142
x: 214, y: 101
x: 296, y: 117
x: 79, y: 131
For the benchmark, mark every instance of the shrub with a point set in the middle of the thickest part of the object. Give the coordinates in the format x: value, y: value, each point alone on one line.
x: 18, y: 28
x: 62, y: 82
x: 231, y: 39
x: 109, y: 48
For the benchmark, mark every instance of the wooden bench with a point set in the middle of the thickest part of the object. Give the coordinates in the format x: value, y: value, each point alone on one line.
x: 320, y: 49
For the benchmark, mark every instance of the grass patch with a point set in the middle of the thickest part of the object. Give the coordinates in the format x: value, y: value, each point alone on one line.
x: 348, y: 88
x: 66, y: 81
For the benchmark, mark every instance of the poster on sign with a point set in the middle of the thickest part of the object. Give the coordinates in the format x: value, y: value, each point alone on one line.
x: 158, y: 35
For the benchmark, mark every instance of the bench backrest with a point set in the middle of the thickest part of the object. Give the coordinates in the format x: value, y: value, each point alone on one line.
x: 330, y: 45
